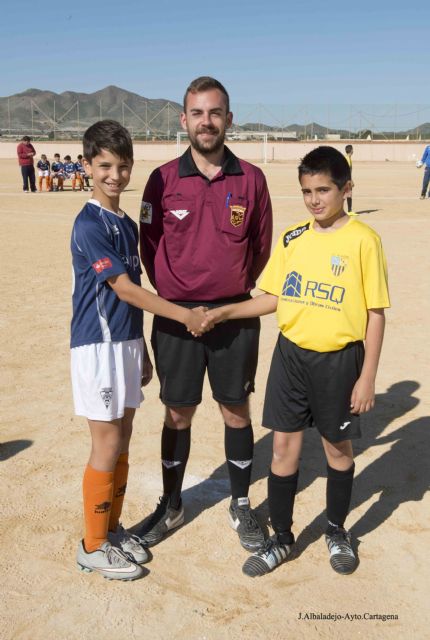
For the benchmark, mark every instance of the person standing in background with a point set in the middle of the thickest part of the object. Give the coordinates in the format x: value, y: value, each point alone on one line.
x: 349, y: 150
x: 425, y: 160
x: 26, y: 153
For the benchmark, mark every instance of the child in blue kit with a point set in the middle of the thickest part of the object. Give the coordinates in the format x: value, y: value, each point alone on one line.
x: 108, y: 353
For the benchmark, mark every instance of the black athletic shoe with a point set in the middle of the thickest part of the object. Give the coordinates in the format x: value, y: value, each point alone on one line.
x: 342, y: 557
x: 270, y: 556
x: 156, y: 525
x: 243, y: 520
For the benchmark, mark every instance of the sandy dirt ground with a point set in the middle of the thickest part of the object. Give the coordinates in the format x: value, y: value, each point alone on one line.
x: 194, y: 588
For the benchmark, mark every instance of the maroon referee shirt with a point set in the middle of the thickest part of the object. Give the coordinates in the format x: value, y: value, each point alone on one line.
x: 205, y: 240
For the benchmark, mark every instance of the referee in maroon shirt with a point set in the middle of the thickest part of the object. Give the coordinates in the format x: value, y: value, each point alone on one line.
x: 205, y: 237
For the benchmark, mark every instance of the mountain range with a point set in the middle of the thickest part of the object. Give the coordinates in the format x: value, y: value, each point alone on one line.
x: 48, y: 113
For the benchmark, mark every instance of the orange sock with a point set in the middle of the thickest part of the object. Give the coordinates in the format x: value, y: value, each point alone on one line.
x: 48, y: 183
x: 119, y: 487
x: 73, y: 183
x: 98, y: 490
x: 40, y: 184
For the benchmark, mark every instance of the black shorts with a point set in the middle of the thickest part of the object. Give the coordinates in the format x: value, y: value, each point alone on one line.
x: 229, y: 353
x: 307, y: 388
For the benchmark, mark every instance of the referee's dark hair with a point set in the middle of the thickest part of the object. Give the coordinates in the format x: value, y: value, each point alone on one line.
x: 329, y: 161
x: 107, y: 135
x: 206, y: 83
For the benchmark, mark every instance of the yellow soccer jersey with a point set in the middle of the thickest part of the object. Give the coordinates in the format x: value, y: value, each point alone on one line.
x: 326, y: 282
x: 349, y: 160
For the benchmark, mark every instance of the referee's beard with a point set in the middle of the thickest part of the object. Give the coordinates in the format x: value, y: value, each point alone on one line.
x: 209, y: 146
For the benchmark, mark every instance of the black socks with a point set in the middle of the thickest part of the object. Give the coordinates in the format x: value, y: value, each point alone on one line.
x: 239, y: 450
x: 338, y: 495
x: 282, y: 492
x: 175, y: 449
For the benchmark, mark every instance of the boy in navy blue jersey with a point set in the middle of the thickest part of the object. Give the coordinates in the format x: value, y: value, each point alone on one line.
x: 44, y: 171
x: 108, y: 355
x: 69, y: 171
x: 57, y: 173
x: 82, y: 176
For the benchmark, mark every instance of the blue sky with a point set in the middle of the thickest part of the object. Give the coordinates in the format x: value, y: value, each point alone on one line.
x: 273, y: 53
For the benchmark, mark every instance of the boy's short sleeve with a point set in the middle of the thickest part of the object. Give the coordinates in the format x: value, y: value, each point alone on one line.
x: 94, y: 243
x: 374, y: 271
x: 274, y: 274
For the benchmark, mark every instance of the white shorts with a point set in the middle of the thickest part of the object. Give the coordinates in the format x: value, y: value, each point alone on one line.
x: 44, y: 174
x: 106, y: 378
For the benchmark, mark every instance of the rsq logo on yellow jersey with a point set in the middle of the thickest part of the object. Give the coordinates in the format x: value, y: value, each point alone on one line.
x: 237, y: 215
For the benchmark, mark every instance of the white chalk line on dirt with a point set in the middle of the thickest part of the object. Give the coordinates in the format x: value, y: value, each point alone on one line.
x: 138, y: 194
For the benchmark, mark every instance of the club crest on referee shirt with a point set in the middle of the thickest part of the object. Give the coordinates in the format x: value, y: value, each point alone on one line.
x: 338, y: 264
x: 237, y: 215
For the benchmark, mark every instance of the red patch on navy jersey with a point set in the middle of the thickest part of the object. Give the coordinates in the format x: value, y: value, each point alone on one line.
x: 102, y: 264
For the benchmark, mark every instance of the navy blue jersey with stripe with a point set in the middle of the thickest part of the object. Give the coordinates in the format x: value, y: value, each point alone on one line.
x: 43, y: 165
x: 69, y: 167
x: 103, y: 245
x: 57, y: 166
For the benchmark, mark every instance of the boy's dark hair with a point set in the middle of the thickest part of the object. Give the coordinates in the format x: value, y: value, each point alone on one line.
x: 109, y: 135
x: 329, y: 161
x: 206, y: 83
x: 26, y: 138
x: 348, y: 148
x: 80, y: 156
x: 57, y: 155
x: 67, y: 158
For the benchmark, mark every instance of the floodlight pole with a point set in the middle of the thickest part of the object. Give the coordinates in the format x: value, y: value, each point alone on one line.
x: 146, y: 119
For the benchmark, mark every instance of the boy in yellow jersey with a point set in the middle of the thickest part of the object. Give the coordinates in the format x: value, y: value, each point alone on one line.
x: 327, y: 280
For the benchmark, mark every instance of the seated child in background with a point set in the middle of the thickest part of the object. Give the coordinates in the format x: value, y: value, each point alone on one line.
x: 69, y: 171
x: 43, y: 168
x: 57, y: 173
x: 80, y: 170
